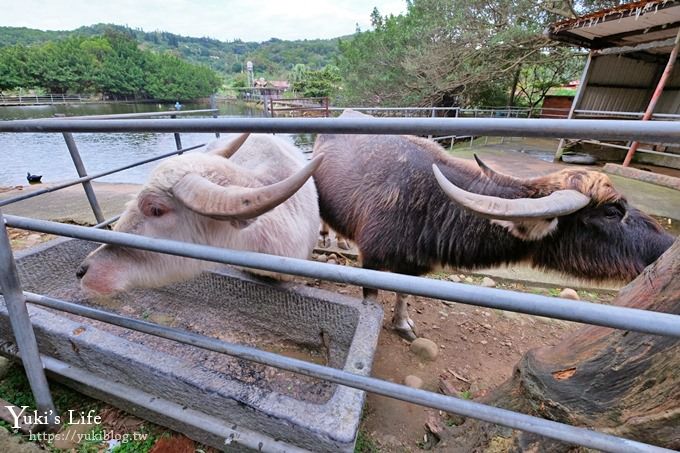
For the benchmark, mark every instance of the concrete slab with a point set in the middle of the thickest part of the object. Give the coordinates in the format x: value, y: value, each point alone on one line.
x: 643, y: 175
x: 70, y: 204
x: 272, y: 406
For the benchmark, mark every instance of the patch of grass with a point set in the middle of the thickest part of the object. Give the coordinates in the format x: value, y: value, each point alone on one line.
x: 466, y: 395
x: 562, y: 91
x: 365, y: 444
x: 450, y: 422
x: 439, y: 275
x: 15, y: 389
x: 587, y: 295
x: 136, y: 446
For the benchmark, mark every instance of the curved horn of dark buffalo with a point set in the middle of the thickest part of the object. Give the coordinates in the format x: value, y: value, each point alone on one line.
x: 558, y: 203
x: 499, y: 177
x: 228, y: 149
x: 238, y: 203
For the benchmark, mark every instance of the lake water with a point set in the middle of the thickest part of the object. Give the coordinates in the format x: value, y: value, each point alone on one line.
x: 47, y: 155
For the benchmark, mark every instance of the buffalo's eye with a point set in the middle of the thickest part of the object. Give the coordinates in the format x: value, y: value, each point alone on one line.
x: 613, y: 212
x: 156, y: 211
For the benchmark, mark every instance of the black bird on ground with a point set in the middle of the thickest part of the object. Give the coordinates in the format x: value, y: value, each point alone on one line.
x: 33, y: 178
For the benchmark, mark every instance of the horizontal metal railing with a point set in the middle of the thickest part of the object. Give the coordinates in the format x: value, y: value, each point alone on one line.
x: 24, y: 99
x: 459, y: 406
x: 120, y: 116
x: 509, y: 127
x: 533, y: 304
x: 578, y: 311
x: 396, y: 282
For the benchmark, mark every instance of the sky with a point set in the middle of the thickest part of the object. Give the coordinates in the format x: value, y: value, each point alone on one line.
x: 226, y: 20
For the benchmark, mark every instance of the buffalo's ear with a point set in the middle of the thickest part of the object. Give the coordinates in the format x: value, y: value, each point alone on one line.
x: 529, y: 230
x: 153, y: 205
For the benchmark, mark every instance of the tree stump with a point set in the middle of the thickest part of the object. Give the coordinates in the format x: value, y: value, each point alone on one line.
x: 619, y: 382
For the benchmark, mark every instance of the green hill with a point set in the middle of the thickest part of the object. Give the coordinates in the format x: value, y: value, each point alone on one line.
x: 272, y: 59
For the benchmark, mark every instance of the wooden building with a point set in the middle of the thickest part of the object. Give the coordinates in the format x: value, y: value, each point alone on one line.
x: 631, y: 46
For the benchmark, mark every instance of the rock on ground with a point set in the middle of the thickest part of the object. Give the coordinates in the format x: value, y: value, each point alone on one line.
x: 488, y: 282
x: 568, y: 293
x: 425, y: 349
x: 413, y: 381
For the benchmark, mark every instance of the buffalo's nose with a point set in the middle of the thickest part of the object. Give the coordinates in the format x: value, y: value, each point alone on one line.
x: 82, y: 270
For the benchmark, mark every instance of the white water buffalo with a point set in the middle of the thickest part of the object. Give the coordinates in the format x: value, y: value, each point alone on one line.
x: 246, y: 192
x: 410, y: 207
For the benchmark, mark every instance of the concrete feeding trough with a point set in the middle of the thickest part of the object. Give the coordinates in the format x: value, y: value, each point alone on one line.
x: 211, y: 397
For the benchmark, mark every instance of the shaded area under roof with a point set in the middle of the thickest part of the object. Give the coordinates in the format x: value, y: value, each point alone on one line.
x: 630, y: 24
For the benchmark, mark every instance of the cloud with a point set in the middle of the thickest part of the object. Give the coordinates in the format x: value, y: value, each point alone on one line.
x: 248, y: 20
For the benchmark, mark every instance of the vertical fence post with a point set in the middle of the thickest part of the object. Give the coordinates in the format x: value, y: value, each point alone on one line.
x: 22, y: 328
x: 576, y: 103
x: 178, y: 139
x: 213, y: 105
x: 655, y: 96
x: 80, y: 168
x: 432, y: 116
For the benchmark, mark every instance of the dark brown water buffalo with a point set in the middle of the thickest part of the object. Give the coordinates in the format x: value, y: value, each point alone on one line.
x: 385, y: 193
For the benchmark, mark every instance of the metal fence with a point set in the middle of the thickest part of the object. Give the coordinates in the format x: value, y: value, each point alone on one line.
x: 39, y: 99
x: 585, y: 312
x: 312, y: 106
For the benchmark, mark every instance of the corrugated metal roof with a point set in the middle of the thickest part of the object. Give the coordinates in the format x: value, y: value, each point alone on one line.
x: 613, y: 70
x: 625, y: 25
x: 621, y: 84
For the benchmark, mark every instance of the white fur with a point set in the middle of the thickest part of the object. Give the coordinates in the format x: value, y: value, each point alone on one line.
x: 290, y: 229
x: 529, y: 230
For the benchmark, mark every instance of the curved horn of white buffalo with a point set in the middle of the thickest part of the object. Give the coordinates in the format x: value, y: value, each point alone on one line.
x: 227, y: 149
x: 238, y: 203
x: 558, y: 203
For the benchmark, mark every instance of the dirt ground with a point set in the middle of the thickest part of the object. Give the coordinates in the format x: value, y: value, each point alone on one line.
x: 478, y: 349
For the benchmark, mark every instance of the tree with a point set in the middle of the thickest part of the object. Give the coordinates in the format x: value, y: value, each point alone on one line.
x: 13, y: 68
x: 120, y: 69
x: 169, y: 78
x: 112, y: 64
x: 440, y: 53
x: 322, y: 83
x: 621, y: 382
x: 239, y: 81
x: 297, y: 75
x: 371, y: 63
x: 550, y: 68
x: 61, y: 66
